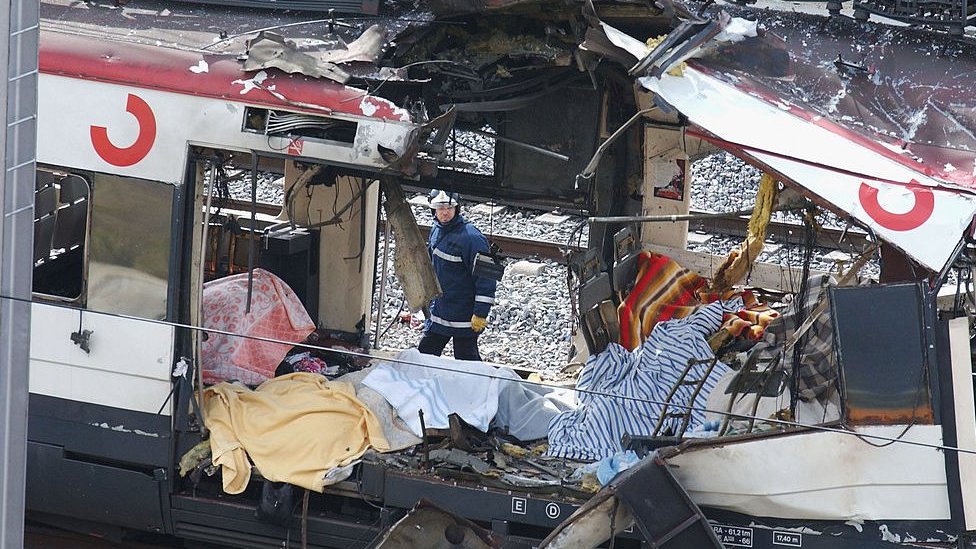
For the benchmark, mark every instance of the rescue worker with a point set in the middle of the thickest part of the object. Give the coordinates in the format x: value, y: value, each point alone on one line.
x: 461, y: 311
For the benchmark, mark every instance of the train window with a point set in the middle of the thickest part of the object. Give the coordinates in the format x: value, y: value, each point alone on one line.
x: 61, y: 210
x: 130, y: 246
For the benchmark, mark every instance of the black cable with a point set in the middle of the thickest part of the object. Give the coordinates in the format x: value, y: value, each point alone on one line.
x: 479, y: 152
x: 577, y: 233
x: 403, y: 299
x: 221, y: 181
x: 574, y: 313
x: 626, y: 398
x: 800, y: 299
x: 308, y: 204
x: 957, y: 300
x: 362, y: 220
x: 874, y: 177
x: 277, y: 149
x: 335, y: 208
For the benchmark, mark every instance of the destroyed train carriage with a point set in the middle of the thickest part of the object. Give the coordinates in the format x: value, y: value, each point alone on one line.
x: 839, y: 415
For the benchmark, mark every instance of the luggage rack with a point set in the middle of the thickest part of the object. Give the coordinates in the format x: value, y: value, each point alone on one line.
x: 953, y: 15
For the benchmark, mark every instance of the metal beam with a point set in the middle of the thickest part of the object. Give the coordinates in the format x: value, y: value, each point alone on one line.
x: 19, y: 21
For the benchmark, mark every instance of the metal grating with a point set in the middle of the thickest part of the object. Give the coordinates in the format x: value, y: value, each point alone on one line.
x: 952, y: 15
x: 370, y: 7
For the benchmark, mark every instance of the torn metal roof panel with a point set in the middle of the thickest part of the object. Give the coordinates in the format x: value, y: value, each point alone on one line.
x: 208, y: 75
x: 268, y: 50
x: 908, y: 91
x: 888, y: 137
x: 909, y: 209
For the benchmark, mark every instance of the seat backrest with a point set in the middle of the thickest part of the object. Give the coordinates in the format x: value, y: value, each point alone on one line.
x: 883, y: 364
x: 43, y: 234
x: 44, y: 179
x: 45, y: 202
x: 73, y: 188
x: 69, y: 231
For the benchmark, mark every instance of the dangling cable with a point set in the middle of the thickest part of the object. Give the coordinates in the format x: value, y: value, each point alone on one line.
x: 800, y: 298
x: 491, y: 223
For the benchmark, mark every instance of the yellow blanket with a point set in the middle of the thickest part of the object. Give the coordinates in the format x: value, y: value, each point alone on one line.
x: 295, y: 428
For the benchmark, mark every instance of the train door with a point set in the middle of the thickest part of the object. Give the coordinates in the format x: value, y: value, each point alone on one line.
x: 101, y: 355
x: 316, y: 232
x: 312, y: 228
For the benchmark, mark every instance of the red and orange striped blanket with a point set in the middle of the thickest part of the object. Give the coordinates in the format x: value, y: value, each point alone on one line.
x: 664, y: 290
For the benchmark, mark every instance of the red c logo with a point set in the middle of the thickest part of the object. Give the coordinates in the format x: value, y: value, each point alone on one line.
x: 127, y: 156
x: 920, y: 212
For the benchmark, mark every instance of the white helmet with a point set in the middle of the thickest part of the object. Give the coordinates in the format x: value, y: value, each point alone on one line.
x: 440, y: 199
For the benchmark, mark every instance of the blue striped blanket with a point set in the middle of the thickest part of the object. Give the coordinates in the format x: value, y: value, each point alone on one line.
x: 622, y: 392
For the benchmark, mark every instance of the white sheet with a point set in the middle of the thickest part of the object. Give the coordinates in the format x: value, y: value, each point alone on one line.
x: 477, y: 392
x: 439, y: 386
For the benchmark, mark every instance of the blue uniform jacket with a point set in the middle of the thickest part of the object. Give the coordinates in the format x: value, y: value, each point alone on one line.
x: 452, y: 248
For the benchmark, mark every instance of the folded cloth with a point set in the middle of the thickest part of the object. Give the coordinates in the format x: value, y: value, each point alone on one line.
x: 751, y: 320
x: 295, y: 428
x: 276, y: 313
x: 480, y: 394
x: 745, y: 324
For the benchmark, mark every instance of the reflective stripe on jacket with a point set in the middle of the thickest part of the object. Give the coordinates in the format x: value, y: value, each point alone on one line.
x: 452, y: 248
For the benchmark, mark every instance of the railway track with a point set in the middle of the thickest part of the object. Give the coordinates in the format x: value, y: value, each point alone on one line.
x: 777, y: 232
x: 782, y: 233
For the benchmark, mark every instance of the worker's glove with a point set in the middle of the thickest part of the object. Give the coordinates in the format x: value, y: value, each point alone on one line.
x: 478, y: 323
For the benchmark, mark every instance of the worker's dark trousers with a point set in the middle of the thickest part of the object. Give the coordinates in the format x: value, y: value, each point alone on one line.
x: 465, y: 348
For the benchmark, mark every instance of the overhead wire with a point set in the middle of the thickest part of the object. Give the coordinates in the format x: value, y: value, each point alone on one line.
x: 576, y: 232
x: 788, y: 423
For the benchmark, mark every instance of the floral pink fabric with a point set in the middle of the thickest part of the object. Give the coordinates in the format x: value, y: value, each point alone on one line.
x: 276, y: 314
